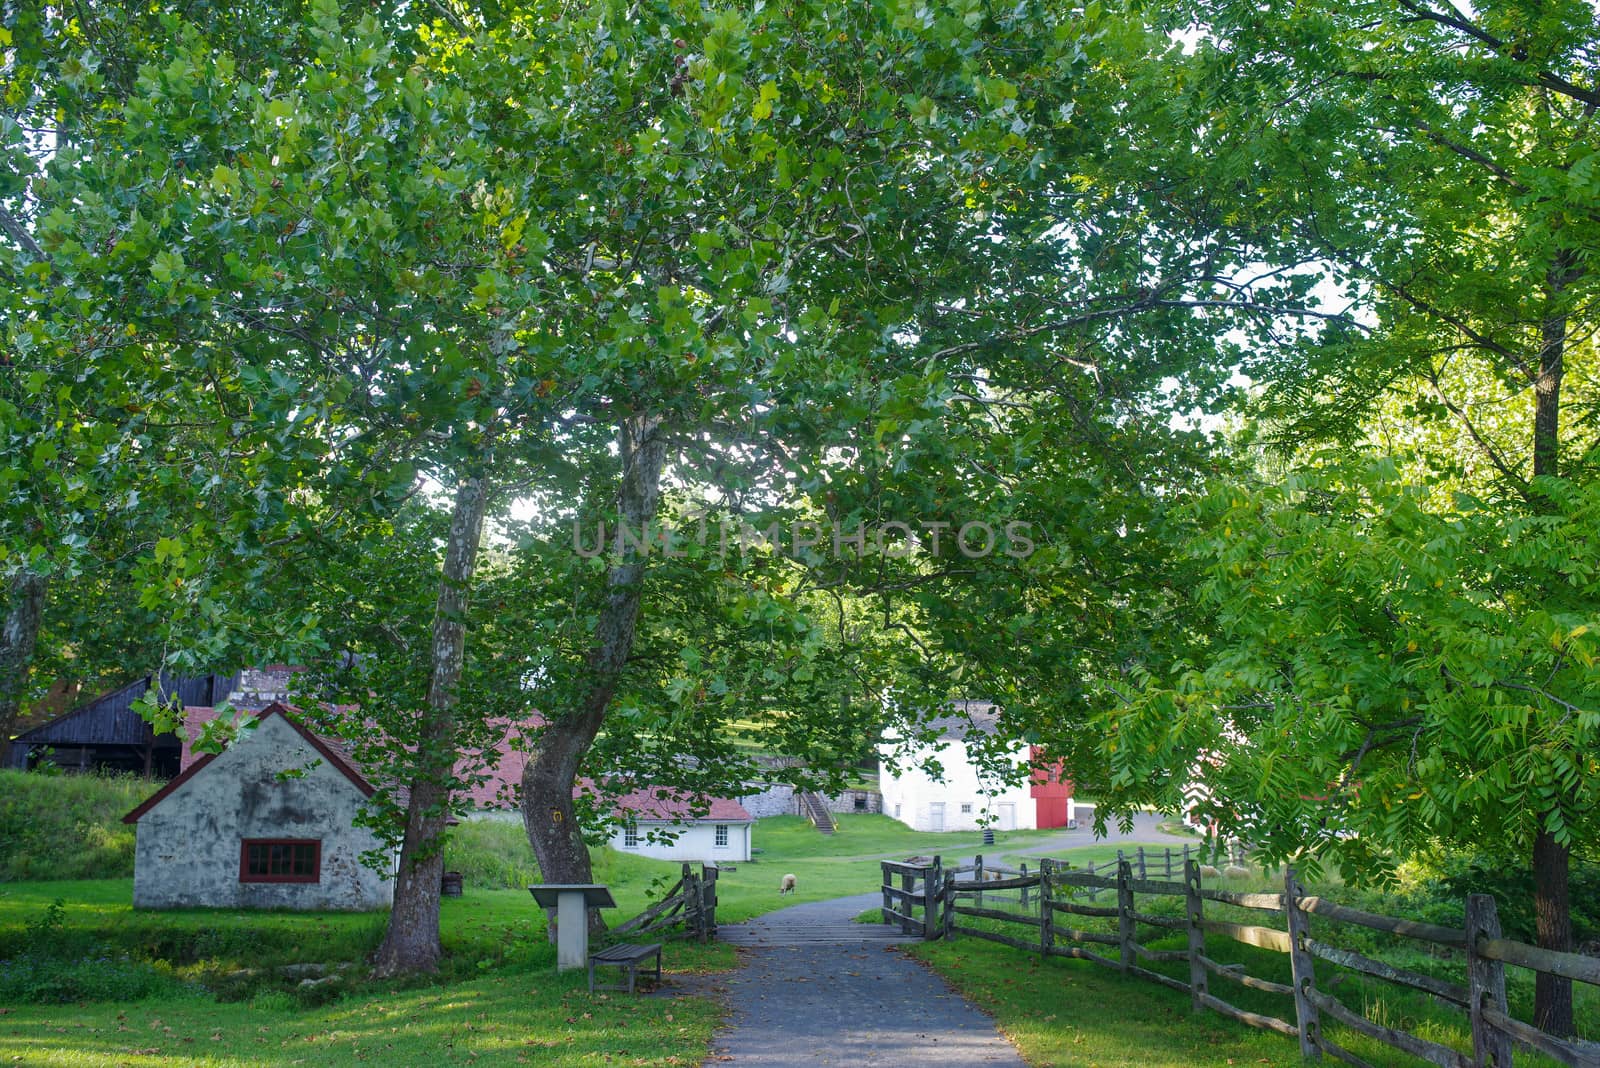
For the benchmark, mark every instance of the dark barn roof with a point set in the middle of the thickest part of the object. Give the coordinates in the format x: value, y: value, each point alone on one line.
x: 109, y: 719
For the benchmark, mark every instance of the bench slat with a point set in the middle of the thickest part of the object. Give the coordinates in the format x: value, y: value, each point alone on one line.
x: 616, y: 954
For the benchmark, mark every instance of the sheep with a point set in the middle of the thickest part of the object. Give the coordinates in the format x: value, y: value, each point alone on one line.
x: 1208, y: 872
x: 787, y: 886
x: 1234, y: 871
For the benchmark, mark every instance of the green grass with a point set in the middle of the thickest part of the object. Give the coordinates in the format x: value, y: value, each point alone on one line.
x: 1080, y: 1012
x: 1075, y: 1012
x: 67, y: 826
x: 839, y: 865
x: 535, y: 1018
x: 499, y: 996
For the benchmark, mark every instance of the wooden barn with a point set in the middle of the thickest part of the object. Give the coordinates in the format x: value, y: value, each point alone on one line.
x: 106, y: 733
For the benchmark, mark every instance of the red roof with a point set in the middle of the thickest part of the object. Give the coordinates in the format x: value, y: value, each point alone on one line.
x: 501, y: 772
x: 501, y: 777
x: 664, y: 804
x: 336, y: 759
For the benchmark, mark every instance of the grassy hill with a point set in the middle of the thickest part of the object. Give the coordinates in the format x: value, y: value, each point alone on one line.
x: 67, y: 826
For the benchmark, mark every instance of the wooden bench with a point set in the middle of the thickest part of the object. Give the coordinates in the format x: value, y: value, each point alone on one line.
x: 625, y: 956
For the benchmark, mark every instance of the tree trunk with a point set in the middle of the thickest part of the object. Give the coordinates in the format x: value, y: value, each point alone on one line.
x: 1552, y: 997
x: 411, y: 941
x: 19, y: 636
x: 1552, y: 913
x: 548, y: 778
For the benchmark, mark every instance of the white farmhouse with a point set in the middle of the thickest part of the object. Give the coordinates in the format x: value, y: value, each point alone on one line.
x: 963, y: 798
x: 655, y: 821
x: 269, y: 822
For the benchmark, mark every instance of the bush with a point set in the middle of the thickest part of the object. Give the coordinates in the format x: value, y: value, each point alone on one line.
x: 67, y: 826
x: 1436, y: 884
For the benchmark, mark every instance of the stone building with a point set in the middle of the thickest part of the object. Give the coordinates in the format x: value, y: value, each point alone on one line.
x: 269, y: 822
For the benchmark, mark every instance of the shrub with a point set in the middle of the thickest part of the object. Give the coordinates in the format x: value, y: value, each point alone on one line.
x: 67, y: 826
x: 1436, y: 883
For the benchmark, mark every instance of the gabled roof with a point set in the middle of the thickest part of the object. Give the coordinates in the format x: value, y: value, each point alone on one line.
x: 495, y: 774
x: 328, y: 751
x: 663, y: 804
x: 109, y: 718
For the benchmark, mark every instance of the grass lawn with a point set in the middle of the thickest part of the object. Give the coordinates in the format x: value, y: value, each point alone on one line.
x: 533, y: 1018
x: 838, y: 865
x: 1075, y: 1012
x: 499, y: 1001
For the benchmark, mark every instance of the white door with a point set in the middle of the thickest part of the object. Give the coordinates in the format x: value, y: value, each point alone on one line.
x: 1008, y: 815
x: 936, y: 816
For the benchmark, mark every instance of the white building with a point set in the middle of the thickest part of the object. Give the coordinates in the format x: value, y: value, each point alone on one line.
x: 659, y: 822
x: 961, y: 798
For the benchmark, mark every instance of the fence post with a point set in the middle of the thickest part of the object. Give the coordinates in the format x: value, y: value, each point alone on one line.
x: 1185, y: 858
x: 1024, y: 889
x: 1143, y: 873
x: 949, y: 889
x: 692, y: 903
x: 1486, y: 982
x: 1303, y: 974
x: 1125, y: 913
x: 709, y: 874
x: 932, y: 888
x: 1047, y: 915
x: 977, y: 874
x: 888, y: 879
x: 1197, y: 937
x: 908, y: 883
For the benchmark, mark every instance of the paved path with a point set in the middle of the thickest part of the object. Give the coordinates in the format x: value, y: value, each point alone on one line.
x: 1146, y: 830
x: 816, y: 990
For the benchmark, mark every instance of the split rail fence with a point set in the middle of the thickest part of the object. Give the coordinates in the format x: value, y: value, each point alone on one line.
x: 1049, y: 901
x: 689, y: 909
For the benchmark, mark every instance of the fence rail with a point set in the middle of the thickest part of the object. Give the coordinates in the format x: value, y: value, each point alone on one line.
x: 688, y: 910
x: 1036, y: 902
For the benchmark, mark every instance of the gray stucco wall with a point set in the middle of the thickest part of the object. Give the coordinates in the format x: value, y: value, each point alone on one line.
x: 187, y: 849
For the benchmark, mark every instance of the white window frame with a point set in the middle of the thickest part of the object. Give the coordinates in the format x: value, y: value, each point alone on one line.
x: 630, y: 836
x: 721, y: 839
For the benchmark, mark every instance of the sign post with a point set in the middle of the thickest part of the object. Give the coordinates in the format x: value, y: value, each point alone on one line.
x: 572, y: 902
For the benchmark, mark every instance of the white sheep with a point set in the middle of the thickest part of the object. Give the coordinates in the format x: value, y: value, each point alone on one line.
x: 787, y: 886
x: 1208, y: 872
x: 1235, y: 871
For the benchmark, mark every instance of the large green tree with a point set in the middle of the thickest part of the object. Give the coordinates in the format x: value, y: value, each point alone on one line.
x: 1432, y: 167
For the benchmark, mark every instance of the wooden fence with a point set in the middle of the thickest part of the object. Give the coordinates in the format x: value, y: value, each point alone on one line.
x: 921, y: 887
x: 1055, y: 891
x: 689, y: 909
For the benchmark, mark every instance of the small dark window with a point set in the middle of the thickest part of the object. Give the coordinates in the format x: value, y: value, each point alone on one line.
x: 861, y: 804
x: 280, y: 860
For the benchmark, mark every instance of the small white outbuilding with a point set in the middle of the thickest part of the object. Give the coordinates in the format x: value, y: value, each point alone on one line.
x: 657, y: 821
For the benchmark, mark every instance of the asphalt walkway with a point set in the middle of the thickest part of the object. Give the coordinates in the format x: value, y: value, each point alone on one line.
x: 815, y: 989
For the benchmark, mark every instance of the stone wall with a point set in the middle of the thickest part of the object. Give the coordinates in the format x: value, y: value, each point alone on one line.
x: 851, y: 801
x: 775, y: 800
